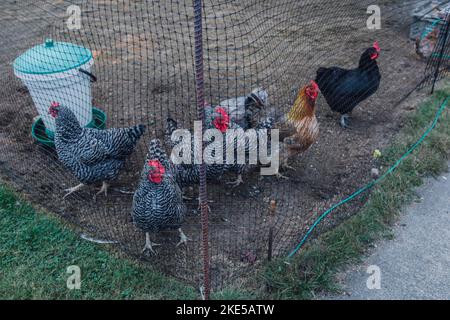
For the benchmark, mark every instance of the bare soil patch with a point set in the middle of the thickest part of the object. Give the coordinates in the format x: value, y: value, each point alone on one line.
x: 144, y: 63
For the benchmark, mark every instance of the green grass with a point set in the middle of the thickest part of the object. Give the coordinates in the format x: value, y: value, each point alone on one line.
x: 313, y: 270
x: 35, y: 251
x: 36, y: 248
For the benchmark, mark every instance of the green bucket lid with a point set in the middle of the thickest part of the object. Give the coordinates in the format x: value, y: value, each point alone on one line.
x: 52, y: 57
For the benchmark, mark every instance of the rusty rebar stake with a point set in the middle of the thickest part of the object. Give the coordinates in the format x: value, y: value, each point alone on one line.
x: 272, y: 211
x: 200, y: 96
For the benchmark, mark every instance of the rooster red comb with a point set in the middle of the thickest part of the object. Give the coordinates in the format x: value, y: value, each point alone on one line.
x: 311, y: 90
x: 377, y: 46
x: 315, y: 85
x: 222, y: 121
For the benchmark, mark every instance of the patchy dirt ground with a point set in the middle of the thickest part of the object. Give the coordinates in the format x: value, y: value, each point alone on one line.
x: 144, y: 62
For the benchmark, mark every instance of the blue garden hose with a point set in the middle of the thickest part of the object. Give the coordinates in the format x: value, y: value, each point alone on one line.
x: 373, y: 183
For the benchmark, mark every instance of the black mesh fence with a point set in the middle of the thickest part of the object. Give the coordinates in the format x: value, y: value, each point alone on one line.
x: 143, y: 55
x: 438, y: 63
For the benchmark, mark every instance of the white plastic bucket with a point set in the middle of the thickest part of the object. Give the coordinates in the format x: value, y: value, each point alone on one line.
x: 71, y: 88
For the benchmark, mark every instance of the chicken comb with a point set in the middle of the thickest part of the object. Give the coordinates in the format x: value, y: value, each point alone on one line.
x: 155, y: 163
x: 315, y: 85
x: 55, y: 104
x: 376, y: 46
x: 156, y: 175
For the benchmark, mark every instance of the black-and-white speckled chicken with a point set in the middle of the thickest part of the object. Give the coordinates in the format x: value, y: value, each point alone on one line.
x: 263, y: 127
x: 92, y: 155
x: 158, y: 202
x: 244, y: 110
x: 188, y: 174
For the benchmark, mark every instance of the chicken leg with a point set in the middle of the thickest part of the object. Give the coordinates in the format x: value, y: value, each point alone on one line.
x: 183, y: 238
x: 280, y: 176
x: 344, y: 121
x: 149, y: 244
x: 72, y: 190
x: 104, y: 190
x: 237, y: 182
x: 207, y: 206
x: 285, y: 165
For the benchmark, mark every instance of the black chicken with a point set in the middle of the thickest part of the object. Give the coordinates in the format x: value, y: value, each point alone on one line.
x: 345, y: 89
x: 157, y: 202
x: 92, y: 155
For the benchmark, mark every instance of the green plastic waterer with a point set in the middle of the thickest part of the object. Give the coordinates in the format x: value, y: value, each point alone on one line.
x: 61, y: 72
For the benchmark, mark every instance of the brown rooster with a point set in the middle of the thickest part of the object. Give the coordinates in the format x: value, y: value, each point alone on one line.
x: 299, y: 128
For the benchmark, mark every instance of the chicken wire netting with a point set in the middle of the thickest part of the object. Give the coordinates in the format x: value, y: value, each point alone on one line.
x: 144, y: 54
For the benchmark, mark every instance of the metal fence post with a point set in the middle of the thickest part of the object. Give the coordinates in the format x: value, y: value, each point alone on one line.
x: 199, y: 85
x: 441, y: 55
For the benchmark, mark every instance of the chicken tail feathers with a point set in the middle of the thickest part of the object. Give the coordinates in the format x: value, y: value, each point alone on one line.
x: 171, y: 126
x: 126, y: 139
x: 156, y: 151
x: 137, y: 131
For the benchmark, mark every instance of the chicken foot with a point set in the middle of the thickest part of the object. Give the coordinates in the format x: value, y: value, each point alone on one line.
x: 149, y: 244
x: 104, y: 190
x: 280, y: 176
x: 207, y: 206
x: 237, y: 182
x: 183, y: 238
x: 285, y: 165
x: 72, y: 190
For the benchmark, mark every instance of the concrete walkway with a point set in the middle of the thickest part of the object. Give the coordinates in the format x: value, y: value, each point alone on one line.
x: 416, y: 263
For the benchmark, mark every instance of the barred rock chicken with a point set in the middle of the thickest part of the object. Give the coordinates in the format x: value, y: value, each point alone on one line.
x: 157, y: 202
x: 262, y: 128
x: 92, y: 155
x: 242, y: 111
x: 345, y: 89
x: 299, y: 128
x: 188, y: 174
